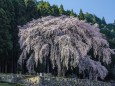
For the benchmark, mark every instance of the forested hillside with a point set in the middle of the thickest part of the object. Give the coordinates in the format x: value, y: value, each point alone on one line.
x: 14, y: 13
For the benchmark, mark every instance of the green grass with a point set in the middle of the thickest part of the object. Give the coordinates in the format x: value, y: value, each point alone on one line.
x: 9, y: 84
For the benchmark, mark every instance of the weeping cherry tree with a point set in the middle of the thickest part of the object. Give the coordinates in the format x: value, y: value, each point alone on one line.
x: 66, y: 42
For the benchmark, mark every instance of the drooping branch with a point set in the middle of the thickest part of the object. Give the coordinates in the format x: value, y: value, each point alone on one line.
x: 66, y: 41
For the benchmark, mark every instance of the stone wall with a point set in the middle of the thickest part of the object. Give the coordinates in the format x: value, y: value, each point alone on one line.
x: 29, y: 80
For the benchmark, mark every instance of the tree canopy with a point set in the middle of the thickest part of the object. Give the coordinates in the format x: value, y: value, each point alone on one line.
x: 65, y: 42
x: 81, y: 15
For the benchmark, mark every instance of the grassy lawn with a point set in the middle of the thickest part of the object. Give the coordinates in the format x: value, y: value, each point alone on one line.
x: 8, y: 84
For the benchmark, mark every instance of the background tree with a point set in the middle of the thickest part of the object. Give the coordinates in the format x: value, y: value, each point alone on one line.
x: 20, y: 11
x: 81, y: 15
x: 44, y: 8
x: 114, y: 21
x: 88, y: 17
x: 103, y: 21
x: 64, y: 49
x: 28, y: 0
x: 12, y: 33
x: 72, y: 13
x: 61, y: 10
x: 6, y: 44
x: 67, y: 12
x: 31, y: 10
x: 55, y: 10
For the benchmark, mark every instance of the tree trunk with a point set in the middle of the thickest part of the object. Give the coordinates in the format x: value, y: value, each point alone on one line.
x: 5, y: 66
x: 63, y: 72
x: 48, y: 66
x: 12, y: 67
x: 59, y: 70
x: 0, y: 66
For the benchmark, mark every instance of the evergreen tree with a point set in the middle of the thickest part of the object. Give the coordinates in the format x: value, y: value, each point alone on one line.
x: 6, y: 44
x: 97, y: 20
x: 29, y: 0
x: 81, y: 15
x: 72, y: 13
x: 103, y: 21
x: 9, y: 22
x: 5, y: 36
x: 89, y: 17
x: 20, y: 11
x: 67, y: 12
x: 61, y: 10
x: 31, y: 10
x: 114, y: 21
x: 55, y: 10
x: 94, y: 19
x: 44, y: 8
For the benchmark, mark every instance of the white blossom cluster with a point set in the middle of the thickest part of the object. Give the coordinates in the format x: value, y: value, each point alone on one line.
x: 66, y: 41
